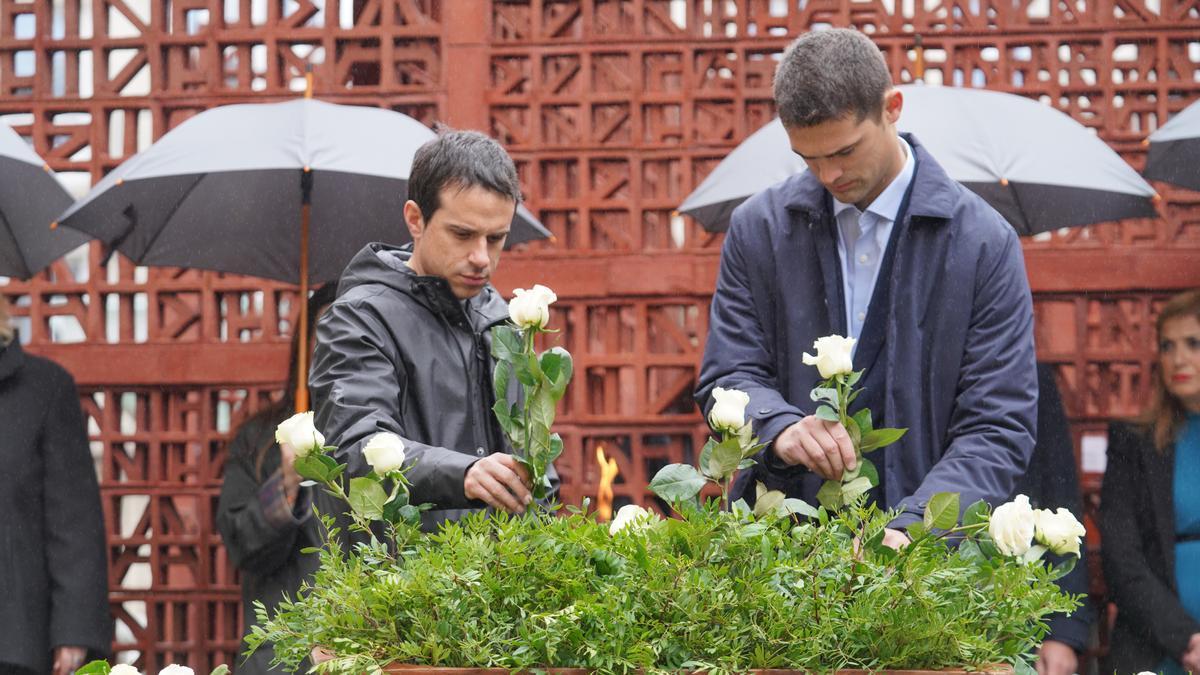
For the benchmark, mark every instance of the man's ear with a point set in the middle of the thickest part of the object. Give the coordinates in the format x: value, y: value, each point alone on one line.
x: 893, y: 103
x: 413, y: 219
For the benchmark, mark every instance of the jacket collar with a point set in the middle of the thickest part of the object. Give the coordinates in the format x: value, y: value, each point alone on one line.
x: 934, y: 192
x: 12, y: 358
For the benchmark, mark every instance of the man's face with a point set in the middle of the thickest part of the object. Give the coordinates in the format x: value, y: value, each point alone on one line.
x: 463, y: 240
x: 854, y: 160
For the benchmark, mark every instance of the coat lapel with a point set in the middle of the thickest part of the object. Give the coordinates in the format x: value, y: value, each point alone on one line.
x: 825, y: 245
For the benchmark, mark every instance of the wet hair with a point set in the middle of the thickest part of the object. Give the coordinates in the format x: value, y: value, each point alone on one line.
x: 461, y: 160
x: 6, y: 327
x: 1165, y: 415
x: 828, y: 74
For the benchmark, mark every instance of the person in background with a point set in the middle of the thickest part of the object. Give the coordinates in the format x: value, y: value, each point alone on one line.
x: 54, y: 612
x: 264, y: 514
x: 1150, y: 509
x: 1052, y: 482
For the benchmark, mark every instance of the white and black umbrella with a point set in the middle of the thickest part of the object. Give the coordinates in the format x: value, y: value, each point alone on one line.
x: 30, y: 198
x: 1174, y: 154
x: 1038, y: 167
x: 254, y: 188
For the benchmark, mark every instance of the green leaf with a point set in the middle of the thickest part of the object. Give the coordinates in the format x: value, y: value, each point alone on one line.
x: 677, y: 482
x: 501, y: 411
x: 367, y: 497
x: 1063, y: 568
x: 746, y: 463
x: 558, y: 367
x: 410, y: 514
x: 852, y: 489
x: 878, y: 438
x: 312, y: 468
x: 970, y: 551
x: 795, y: 506
x: 506, y: 343
x: 740, y: 507
x: 863, y: 419
x: 854, y: 378
x: 826, y: 413
x: 98, y: 667
x: 827, y: 394
x: 725, y: 459
x: 830, y: 495
x: 768, y: 502
x: 976, y: 513
x: 942, y: 511
x: 916, y: 530
x: 1035, y: 552
x: 556, y: 448
x: 501, y: 375
x: 866, y: 468
x: 706, y: 456
x: 219, y: 670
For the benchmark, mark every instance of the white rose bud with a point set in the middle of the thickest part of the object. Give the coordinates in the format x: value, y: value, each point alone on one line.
x: 1058, y: 531
x: 384, y: 452
x: 298, y: 433
x: 531, y: 308
x: 833, y: 356
x: 729, y: 409
x: 124, y: 669
x: 1012, y: 525
x: 631, y: 515
x: 176, y: 669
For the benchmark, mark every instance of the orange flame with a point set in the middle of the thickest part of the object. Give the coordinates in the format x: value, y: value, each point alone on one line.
x: 604, y: 497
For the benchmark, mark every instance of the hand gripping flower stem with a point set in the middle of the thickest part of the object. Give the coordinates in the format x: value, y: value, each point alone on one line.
x: 834, y: 394
x: 536, y: 382
x: 369, y: 496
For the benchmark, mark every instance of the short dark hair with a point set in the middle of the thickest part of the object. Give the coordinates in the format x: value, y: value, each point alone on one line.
x: 829, y: 74
x: 460, y: 159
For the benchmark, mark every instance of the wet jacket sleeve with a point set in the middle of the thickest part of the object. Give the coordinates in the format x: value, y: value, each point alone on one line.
x: 256, y: 522
x: 356, y: 382
x: 74, y: 529
x: 991, y: 431
x: 737, y: 354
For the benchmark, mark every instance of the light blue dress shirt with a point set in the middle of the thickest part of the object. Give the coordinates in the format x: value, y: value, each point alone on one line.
x: 862, y: 241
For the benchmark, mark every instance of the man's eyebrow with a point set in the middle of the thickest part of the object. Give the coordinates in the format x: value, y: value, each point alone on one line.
x: 835, y: 152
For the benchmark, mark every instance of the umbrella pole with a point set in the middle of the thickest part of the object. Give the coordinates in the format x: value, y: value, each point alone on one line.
x: 305, y: 208
x: 302, y: 323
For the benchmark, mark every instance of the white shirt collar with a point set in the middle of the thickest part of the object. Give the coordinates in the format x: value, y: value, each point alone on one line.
x: 887, y: 204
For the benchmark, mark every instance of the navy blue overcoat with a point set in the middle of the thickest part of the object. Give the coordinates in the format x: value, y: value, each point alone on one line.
x: 959, y: 353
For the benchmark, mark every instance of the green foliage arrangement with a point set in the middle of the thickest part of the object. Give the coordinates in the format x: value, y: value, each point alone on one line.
x: 712, y: 590
x: 720, y: 588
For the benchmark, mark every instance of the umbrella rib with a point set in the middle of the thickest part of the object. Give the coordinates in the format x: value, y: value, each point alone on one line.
x: 167, y: 220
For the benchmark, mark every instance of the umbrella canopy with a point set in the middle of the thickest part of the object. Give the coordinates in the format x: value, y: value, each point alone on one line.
x: 30, y: 198
x: 224, y: 190
x: 1035, y: 165
x: 1174, y: 155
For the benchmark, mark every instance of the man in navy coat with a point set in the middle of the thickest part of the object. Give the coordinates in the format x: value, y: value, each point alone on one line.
x: 874, y: 241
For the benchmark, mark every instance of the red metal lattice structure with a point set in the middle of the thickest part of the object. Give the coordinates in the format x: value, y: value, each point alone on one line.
x: 614, y: 110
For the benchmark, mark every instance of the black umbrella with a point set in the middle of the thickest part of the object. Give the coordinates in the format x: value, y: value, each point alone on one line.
x: 253, y: 188
x: 1038, y: 167
x: 1174, y: 155
x: 30, y: 198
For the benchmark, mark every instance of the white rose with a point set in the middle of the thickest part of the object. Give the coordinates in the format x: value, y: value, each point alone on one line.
x: 176, y: 669
x: 384, y: 452
x: 1012, y: 525
x: 631, y: 515
x: 833, y: 356
x: 531, y: 308
x: 298, y: 433
x: 1058, y: 531
x: 124, y: 669
x: 729, y: 409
